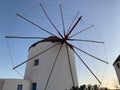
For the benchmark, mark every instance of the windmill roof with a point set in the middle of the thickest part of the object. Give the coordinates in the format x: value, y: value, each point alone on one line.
x: 49, y: 39
x: 118, y: 59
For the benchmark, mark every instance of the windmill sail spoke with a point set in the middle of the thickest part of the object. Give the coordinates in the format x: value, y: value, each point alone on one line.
x: 70, y: 65
x: 20, y: 37
x: 90, y: 55
x: 62, y: 19
x: 73, y: 27
x: 72, y: 22
x: 50, y: 20
x: 86, y: 40
x: 35, y: 56
x: 87, y: 67
x: 53, y: 67
x: 82, y: 31
x: 35, y: 25
x: 63, y: 41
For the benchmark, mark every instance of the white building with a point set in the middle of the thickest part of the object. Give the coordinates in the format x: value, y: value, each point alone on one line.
x: 116, y: 65
x: 15, y: 84
x: 38, y: 75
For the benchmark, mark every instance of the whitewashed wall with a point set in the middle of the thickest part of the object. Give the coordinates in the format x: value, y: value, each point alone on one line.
x: 117, y: 70
x: 61, y: 76
x: 11, y: 84
x: 1, y: 83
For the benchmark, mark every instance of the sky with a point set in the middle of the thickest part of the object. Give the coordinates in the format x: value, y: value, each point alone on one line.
x: 103, y: 14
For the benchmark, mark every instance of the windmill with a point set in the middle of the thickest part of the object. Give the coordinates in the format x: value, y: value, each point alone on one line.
x: 60, y: 52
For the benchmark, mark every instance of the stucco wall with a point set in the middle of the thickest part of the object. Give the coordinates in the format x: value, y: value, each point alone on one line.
x: 11, y: 84
x: 61, y: 77
x: 117, y: 70
x: 1, y: 83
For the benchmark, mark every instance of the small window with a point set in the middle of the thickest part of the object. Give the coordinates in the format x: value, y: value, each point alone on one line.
x: 34, y: 86
x: 36, y: 62
x: 19, y: 87
x: 118, y: 65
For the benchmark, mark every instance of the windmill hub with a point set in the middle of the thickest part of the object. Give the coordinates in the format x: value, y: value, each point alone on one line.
x: 64, y: 40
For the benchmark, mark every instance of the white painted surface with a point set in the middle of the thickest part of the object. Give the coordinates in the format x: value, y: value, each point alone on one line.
x: 11, y: 84
x: 1, y: 83
x: 61, y: 76
x: 117, y: 70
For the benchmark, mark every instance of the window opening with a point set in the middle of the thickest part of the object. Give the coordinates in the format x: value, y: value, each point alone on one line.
x: 36, y: 62
x: 19, y: 87
x: 34, y: 86
x: 118, y: 65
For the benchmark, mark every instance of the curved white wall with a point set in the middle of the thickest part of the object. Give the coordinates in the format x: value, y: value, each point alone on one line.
x: 61, y: 76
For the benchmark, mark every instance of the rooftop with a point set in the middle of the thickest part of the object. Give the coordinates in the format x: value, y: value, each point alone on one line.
x: 118, y: 59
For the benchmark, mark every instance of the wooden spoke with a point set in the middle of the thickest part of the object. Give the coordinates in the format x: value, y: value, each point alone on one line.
x: 73, y: 27
x: 86, y: 40
x: 62, y: 19
x: 53, y: 67
x: 70, y: 64
x: 20, y: 37
x: 50, y: 20
x: 82, y: 31
x: 91, y: 55
x: 60, y: 40
x: 35, y: 56
x: 72, y: 22
x: 35, y: 25
x: 87, y: 67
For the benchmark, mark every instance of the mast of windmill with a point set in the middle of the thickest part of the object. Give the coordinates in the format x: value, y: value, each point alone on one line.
x: 51, y: 62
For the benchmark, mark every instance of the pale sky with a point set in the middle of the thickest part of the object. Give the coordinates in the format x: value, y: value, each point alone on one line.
x: 103, y: 14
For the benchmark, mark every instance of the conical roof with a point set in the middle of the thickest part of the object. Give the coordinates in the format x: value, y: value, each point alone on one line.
x: 49, y: 39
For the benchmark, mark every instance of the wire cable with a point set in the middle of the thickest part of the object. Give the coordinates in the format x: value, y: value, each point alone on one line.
x: 11, y: 59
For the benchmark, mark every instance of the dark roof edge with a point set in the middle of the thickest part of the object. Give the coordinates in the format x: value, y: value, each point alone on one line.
x: 118, y: 59
x: 49, y: 39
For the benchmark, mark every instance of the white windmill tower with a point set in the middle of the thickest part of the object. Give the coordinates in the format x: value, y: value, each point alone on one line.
x: 51, y: 64
x: 51, y: 69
